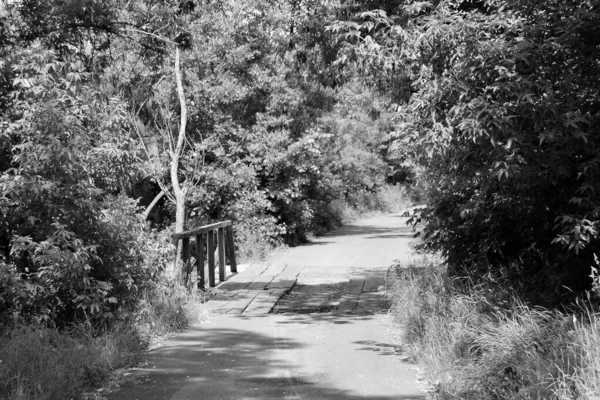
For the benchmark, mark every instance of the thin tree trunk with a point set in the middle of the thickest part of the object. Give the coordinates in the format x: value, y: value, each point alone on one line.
x: 179, y: 192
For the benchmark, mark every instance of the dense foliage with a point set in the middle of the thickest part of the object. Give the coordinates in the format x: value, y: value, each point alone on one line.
x: 274, y: 134
x: 275, y: 114
x: 498, y: 100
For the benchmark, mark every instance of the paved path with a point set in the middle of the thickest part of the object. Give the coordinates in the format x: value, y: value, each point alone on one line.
x: 310, y: 324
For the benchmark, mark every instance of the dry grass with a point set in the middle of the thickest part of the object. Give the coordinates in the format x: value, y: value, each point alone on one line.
x: 587, y: 338
x: 482, y: 343
x: 43, y: 364
x: 38, y: 363
x: 168, y: 309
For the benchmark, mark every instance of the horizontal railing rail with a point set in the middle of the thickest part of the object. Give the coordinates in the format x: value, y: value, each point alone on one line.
x: 210, y: 239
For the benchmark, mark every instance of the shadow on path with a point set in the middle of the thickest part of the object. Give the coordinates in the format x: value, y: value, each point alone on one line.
x: 296, y: 356
x: 409, y: 235
x: 217, y: 363
x: 363, y: 230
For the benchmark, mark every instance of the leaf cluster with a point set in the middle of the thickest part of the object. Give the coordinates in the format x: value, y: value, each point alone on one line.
x: 501, y: 107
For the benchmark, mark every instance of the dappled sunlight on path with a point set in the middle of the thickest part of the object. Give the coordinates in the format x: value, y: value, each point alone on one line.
x: 330, y: 340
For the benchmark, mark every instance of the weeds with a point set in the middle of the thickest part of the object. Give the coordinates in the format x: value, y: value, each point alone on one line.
x: 169, y: 308
x: 480, y: 342
x: 39, y: 363
x: 387, y: 199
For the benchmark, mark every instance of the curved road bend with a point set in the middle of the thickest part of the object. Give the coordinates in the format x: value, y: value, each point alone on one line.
x: 320, y: 356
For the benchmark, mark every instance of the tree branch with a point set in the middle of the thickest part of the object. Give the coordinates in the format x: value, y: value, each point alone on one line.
x: 154, y: 202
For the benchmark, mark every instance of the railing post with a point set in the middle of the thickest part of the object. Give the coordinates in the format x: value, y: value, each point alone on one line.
x: 219, y: 237
x: 200, y: 261
x: 185, y: 242
x: 210, y: 238
x: 231, y: 248
x: 221, y: 246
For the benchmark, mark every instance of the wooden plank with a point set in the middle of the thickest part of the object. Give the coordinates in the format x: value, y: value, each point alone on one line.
x: 259, y: 284
x: 241, y: 301
x: 185, y: 257
x: 263, y: 303
x: 291, y: 271
x: 263, y: 280
x: 231, y: 248
x: 272, y: 271
x: 374, y: 282
x: 202, y: 229
x: 230, y: 286
x: 243, y: 279
x: 200, y: 261
x: 210, y: 238
x: 221, y: 248
x: 286, y: 279
x: 282, y: 284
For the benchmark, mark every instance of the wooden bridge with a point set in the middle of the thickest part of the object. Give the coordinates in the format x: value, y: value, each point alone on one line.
x: 343, y: 272
x: 219, y: 237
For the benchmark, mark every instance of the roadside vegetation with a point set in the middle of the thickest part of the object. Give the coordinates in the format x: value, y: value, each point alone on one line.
x: 497, y: 105
x: 124, y: 121
x: 481, y: 341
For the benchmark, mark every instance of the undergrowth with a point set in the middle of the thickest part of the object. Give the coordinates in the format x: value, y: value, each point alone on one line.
x: 42, y: 363
x: 482, y: 342
x: 387, y: 199
x: 38, y: 362
x: 257, y: 238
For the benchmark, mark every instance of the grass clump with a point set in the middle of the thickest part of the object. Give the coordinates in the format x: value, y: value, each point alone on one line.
x: 169, y: 308
x: 482, y: 342
x: 42, y: 363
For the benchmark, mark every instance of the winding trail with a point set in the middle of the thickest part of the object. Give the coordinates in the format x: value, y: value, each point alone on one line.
x: 309, y: 324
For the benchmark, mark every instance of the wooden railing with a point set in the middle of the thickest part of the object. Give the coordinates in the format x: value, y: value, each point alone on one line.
x: 222, y: 234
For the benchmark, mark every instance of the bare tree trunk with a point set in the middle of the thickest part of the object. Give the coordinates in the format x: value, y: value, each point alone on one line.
x: 153, y: 204
x: 180, y: 193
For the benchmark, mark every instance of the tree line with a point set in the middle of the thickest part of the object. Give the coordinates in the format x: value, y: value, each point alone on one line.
x: 119, y: 116
x: 124, y: 121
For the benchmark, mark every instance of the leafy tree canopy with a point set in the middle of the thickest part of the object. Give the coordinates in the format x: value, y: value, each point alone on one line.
x: 498, y: 100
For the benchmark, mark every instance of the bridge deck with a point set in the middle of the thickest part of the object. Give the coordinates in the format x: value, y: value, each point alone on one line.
x: 343, y: 273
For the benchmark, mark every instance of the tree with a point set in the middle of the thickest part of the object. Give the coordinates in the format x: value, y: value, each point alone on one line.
x: 500, y: 108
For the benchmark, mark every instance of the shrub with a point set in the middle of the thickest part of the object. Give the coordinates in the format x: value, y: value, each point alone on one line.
x: 167, y: 308
x: 482, y: 342
x: 507, y: 146
x: 89, y: 274
x: 39, y: 363
x: 42, y: 363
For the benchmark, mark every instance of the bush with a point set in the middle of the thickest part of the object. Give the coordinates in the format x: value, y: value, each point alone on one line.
x: 42, y: 363
x: 167, y: 308
x: 507, y: 146
x: 90, y: 273
x: 39, y: 363
x: 482, y: 342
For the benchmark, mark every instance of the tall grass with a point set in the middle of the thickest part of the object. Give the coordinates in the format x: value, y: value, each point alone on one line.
x: 39, y: 363
x: 587, y: 338
x: 169, y: 308
x: 482, y: 342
